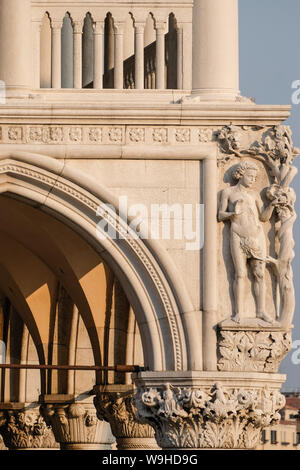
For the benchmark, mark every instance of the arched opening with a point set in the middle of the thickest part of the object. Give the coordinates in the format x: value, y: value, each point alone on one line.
x: 67, y: 51
x: 65, y: 283
x: 171, y: 53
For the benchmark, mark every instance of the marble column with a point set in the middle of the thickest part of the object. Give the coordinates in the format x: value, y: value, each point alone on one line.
x: 215, y: 49
x: 160, y: 56
x: 16, y: 56
x: 118, y: 55
x: 98, y: 54
x: 77, y: 58
x: 139, y: 55
x: 76, y: 426
x: 114, y: 404
x: 22, y: 427
x: 56, y: 54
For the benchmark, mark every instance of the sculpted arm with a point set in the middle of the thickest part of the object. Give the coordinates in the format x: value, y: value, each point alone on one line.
x: 223, y: 214
x: 264, y: 213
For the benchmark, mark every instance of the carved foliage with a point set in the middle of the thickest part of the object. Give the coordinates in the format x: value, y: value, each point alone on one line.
x: 118, y: 410
x: 215, y: 418
x: 259, y: 351
x: 71, y: 423
x: 25, y: 429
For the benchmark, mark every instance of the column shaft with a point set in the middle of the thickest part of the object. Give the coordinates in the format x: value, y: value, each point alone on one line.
x: 215, y: 47
x: 118, y: 67
x: 16, y: 44
x: 139, y: 57
x: 98, y: 55
x: 77, y: 58
x: 36, y: 29
x: 179, y: 57
x: 56, y: 55
x: 160, y: 57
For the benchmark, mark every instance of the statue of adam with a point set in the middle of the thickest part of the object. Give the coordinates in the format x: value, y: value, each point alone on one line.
x: 243, y: 207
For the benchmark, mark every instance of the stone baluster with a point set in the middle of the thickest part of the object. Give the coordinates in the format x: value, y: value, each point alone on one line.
x: 56, y: 54
x: 98, y: 54
x: 114, y: 404
x: 160, y: 56
x: 139, y: 55
x: 118, y: 55
x: 77, y: 57
x: 76, y: 426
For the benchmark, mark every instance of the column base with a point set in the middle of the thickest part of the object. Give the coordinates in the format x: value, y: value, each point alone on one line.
x: 202, y: 95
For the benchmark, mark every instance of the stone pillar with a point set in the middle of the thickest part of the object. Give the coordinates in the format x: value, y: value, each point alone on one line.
x: 118, y: 55
x: 16, y: 46
x: 160, y: 56
x: 114, y: 404
x: 36, y: 31
x: 98, y: 55
x: 139, y: 55
x: 195, y: 411
x: 75, y: 425
x: 215, y: 49
x: 77, y: 58
x: 179, y: 33
x: 56, y: 54
x: 23, y: 428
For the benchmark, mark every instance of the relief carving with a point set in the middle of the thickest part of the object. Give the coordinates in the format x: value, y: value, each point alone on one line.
x: 242, y: 207
x: 25, y: 429
x: 213, y: 418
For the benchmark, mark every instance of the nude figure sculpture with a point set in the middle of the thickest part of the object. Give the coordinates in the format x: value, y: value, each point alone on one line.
x: 242, y: 206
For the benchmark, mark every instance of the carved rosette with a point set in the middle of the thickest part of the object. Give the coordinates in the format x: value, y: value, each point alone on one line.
x: 218, y: 417
x: 252, y: 350
x: 119, y: 410
x: 26, y: 429
x: 76, y: 426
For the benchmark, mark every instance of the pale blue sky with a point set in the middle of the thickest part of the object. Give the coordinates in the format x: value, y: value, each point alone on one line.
x: 269, y: 63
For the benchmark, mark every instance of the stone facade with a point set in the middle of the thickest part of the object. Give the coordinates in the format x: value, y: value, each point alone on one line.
x: 82, y: 171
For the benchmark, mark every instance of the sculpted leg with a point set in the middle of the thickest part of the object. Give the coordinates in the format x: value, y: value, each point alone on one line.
x: 239, y: 261
x: 258, y: 269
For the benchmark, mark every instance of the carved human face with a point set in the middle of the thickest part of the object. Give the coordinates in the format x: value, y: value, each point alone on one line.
x: 248, y: 178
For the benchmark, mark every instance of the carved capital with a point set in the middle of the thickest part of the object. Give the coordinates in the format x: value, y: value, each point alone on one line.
x: 252, y: 350
x: 218, y: 417
x: 119, y: 410
x: 25, y: 429
x: 77, y: 426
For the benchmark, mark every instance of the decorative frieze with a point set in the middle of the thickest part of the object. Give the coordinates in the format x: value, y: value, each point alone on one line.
x: 108, y: 135
x: 118, y: 409
x: 76, y: 426
x: 218, y: 417
x: 25, y: 429
x: 252, y: 350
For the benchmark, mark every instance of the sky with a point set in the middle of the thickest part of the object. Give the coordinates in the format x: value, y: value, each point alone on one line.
x: 269, y: 64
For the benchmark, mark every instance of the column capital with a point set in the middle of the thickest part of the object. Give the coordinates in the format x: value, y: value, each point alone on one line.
x: 119, y: 27
x: 77, y: 27
x: 160, y: 26
x: 118, y: 409
x: 56, y: 24
x: 25, y: 428
x: 139, y: 27
x: 99, y: 27
x: 208, y: 417
x: 76, y: 426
